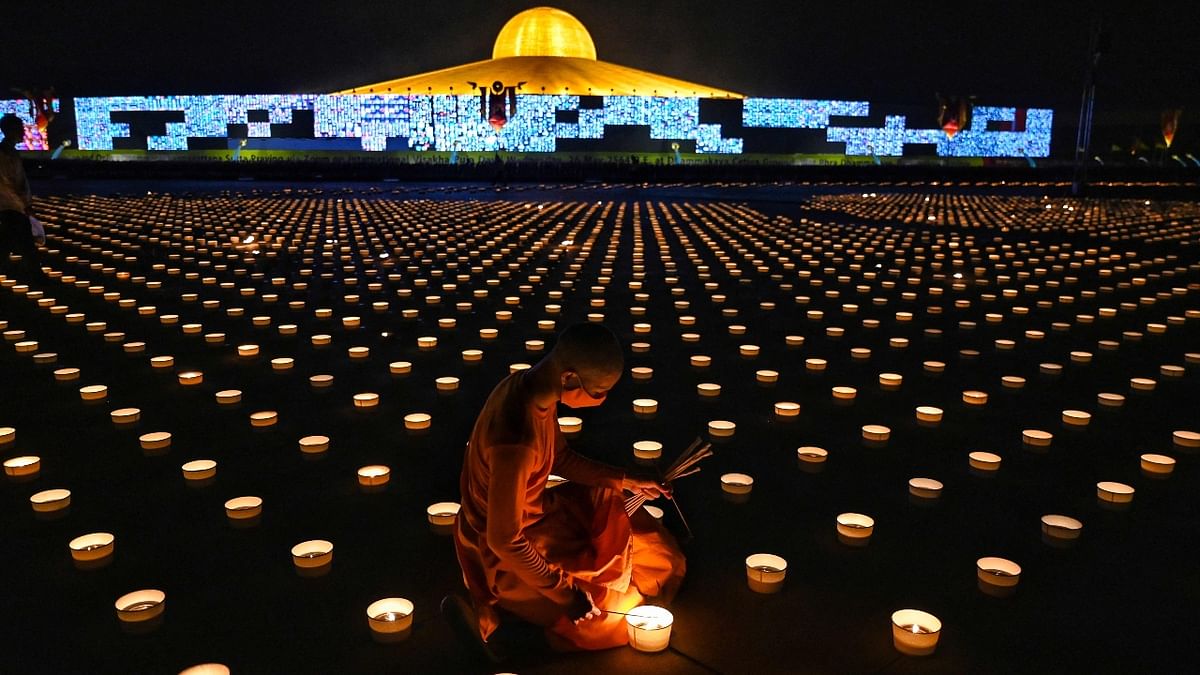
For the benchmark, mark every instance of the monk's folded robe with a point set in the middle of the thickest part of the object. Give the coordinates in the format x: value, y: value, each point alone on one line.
x: 524, y: 548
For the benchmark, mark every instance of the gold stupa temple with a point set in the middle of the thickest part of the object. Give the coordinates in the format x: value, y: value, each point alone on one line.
x: 544, y: 51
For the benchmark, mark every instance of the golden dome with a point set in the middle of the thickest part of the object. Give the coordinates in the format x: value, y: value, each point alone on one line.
x: 544, y: 31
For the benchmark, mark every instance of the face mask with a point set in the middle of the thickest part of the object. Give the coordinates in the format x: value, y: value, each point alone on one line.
x: 579, y: 398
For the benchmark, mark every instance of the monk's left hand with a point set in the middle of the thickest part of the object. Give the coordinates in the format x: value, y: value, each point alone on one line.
x: 650, y: 489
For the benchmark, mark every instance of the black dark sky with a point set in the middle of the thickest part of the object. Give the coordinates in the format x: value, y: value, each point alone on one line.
x: 1014, y: 52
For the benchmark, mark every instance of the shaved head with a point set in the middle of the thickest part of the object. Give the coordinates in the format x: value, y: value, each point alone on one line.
x: 589, y: 349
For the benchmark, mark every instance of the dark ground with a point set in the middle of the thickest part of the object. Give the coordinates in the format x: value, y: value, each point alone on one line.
x: 1122, y: 600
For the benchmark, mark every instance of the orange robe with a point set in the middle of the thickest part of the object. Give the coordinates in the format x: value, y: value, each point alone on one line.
x: 522, y: 547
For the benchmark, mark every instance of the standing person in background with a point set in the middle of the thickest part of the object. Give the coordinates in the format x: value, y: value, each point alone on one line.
x: 16, y: 219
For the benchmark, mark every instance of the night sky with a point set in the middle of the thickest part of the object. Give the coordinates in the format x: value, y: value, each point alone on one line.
x: 1023, y: 53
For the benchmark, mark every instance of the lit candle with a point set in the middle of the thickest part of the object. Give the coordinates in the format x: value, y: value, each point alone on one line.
x: 66, y: 374
x: 314, y: 445
x: 876, y: 433
x: 264, y: 418
x: 815, y: 365
x: 125, y: 415
x: 366, y: 400
x: 890, y: 380
x: 374, y: 475
x: 1037, y: 438
x: 975, y: 398
x: 855, y: 529
x: 400, y: 367
x: 191, y: 378
x: 1058, y: 528
x: 93, y: 392
x: 229, y: 396
x: 925, y: 488
x: 1110, y: 400
x: 472, y: 355
x: 647, y: 449
x: 417, y: 421
x: 1142, y: 384
x: 243, y: 508
x: 787, y: 409
x: 162, y: 362
x: 700, y: 361
x: 1012, y: 382
x: 282, y: 363
x: 570, y: 425
x: 443, y: 513
x: 737, y: 483
x: 312, y: 554
x: 199, y: 470
x: 92, y: 547
x: 708, y: 389
x: 721, y: 428
x: 1186, y: 440
x: 929, y: 414
x: 766, y: 376
x: 915, y: 632
x: 27, y: 466
x: 390, y: 618
x: 1113, y: 493
x: 645, y: 406
x: 997, y: 576
x: 446, y: 384
x: 844, y: 394
x: 649, y: 628
x: 765, y: 572
x: 140, y: 606
x: 1076, y: 418
x: 984, y: 461
x: 1153, y: 465
x: 811, y: 456
x: 247, y: 351
x: 155, y: 440
x: 206, y: 669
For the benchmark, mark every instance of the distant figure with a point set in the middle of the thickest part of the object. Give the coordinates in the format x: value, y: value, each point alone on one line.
x: 16, y: 224
x: 554, y: 560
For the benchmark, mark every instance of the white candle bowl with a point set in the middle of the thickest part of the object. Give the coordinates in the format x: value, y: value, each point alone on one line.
x: 997, y: 577
x: 915, y: 632
x: 649, y: 628
x: 765, y: 572
x: 855, y: 529
x: 390, y: 619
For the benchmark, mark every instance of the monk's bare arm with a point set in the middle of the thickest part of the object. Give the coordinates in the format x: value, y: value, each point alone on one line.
x: 505, y: 530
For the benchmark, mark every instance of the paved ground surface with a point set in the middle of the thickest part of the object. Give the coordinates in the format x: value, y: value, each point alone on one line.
x: 1119, y: 600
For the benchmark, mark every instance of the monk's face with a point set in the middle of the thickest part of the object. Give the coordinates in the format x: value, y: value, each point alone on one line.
x: 585, y: 391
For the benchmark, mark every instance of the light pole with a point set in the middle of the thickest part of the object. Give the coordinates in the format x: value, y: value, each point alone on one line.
x: 1097, y: 44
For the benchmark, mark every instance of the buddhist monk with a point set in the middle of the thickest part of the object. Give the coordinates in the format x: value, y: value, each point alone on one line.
x: 561, y: 558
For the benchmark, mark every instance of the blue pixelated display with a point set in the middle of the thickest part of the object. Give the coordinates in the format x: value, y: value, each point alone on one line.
x: 453, y: 123
x: 27, y: 110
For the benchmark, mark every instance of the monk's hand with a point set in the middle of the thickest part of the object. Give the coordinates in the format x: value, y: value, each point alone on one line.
x: 582, y: 607
x: 650, y: 489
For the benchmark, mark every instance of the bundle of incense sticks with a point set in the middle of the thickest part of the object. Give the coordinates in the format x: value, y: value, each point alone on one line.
x: 684, y: 465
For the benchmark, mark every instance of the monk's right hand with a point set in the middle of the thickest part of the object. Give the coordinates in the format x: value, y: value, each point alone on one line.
x: 582, y: 608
